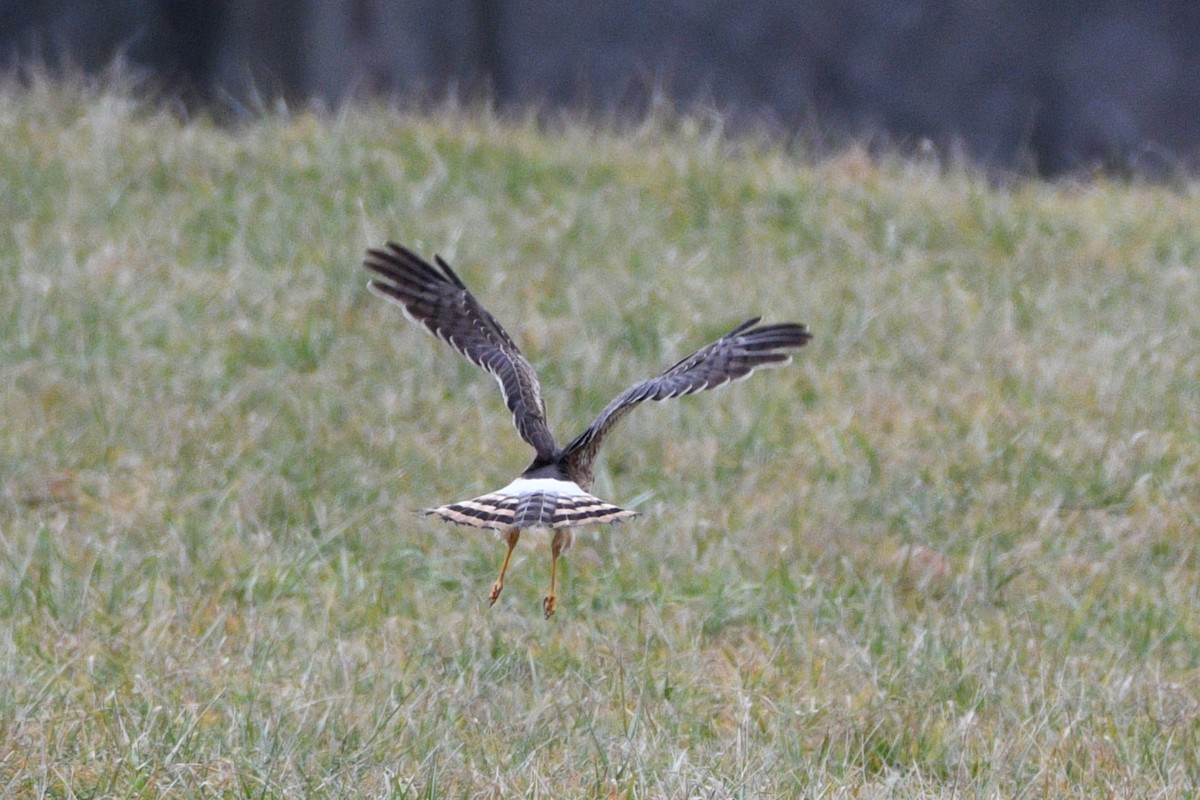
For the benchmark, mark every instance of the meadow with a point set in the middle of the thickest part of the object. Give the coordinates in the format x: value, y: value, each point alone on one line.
x: 950, y: 551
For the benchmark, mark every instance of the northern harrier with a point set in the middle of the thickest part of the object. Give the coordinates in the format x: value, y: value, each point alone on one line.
x: 552, y: 492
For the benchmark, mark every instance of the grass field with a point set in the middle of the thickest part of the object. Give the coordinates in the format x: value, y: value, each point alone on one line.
x: 951, y: 551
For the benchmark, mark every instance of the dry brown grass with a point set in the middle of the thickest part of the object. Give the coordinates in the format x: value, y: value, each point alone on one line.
x: 949, y: 552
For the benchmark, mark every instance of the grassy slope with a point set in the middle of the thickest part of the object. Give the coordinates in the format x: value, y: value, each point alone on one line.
x: 951, y: 550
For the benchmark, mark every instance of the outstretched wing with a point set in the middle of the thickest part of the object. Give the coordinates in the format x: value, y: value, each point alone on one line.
x: 735, y: 355
x: 437, y: 299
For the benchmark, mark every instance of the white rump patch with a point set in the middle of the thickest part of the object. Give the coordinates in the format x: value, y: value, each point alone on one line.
x: 525, y: 486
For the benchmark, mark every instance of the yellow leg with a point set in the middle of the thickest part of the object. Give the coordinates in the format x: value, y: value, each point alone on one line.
x: 510, y: 538
x: 561, y: 541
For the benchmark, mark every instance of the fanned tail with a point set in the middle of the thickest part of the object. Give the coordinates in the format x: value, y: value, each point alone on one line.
x: 537, y: 503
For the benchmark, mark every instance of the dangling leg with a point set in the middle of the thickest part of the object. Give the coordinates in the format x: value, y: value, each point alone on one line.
x: 510, y: 538
x: 558, y: 546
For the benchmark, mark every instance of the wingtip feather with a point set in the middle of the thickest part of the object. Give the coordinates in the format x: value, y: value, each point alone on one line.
x: 450, y: 273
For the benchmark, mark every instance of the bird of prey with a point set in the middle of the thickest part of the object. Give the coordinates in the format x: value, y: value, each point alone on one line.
x: 553, y: 491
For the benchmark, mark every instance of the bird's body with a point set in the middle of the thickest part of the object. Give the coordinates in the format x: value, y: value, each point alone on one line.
x: 554, y: 490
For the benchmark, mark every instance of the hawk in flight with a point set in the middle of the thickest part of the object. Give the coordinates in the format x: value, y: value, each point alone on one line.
x: 553, y: 491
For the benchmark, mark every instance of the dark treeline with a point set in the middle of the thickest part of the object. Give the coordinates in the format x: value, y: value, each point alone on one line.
x: 1018, y: 84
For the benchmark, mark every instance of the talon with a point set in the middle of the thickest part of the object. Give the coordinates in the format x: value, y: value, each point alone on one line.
x: 510, y: 538
x: 561, y: 541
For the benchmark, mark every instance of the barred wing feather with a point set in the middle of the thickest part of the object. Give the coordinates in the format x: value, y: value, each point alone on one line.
x: 438, y: 300
x: 732, y: 357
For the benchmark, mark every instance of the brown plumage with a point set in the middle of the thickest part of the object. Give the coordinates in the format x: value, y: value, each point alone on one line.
x: 553, y: 491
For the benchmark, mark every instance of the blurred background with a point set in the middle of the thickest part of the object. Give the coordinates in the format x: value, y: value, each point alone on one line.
x: 1023, y: 85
